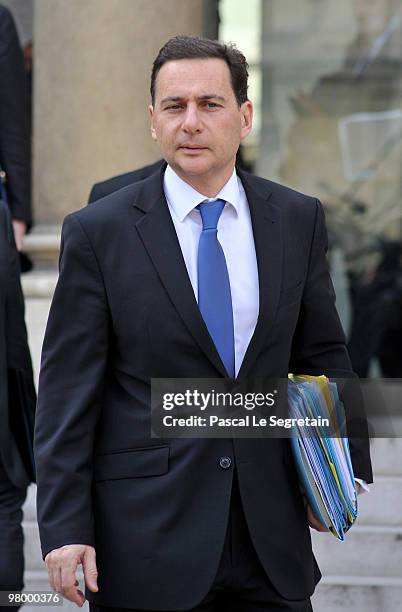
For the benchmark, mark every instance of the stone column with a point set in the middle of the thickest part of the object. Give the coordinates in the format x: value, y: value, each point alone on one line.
x: 91, y: 91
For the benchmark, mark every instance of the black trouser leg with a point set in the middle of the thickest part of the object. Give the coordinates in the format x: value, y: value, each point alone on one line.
x: 11, y: 537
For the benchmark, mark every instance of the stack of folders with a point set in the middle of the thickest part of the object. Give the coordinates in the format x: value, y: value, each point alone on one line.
x: 323, y: 461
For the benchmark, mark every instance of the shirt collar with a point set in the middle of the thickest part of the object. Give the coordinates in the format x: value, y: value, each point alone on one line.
x: 183, y: 198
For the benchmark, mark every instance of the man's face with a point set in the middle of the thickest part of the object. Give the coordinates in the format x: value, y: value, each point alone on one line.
x: 196, y: 119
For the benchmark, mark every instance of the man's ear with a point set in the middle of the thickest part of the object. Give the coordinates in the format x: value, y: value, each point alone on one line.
x: 246, y: 110
x: 151, y: 116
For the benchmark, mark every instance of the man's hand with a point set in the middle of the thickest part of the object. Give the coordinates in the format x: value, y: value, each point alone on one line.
x: 313, y: 521
x: 62, y: 565
x: 20, y: 229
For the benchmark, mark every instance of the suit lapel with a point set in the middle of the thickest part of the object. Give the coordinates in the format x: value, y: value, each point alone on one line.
x: 266, y: 222
x: 158, y: 234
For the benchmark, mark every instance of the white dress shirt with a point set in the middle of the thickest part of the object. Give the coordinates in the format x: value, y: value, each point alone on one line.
x: 235, y: 234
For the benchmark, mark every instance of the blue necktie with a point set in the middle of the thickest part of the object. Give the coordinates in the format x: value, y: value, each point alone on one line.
x: 214, y: 297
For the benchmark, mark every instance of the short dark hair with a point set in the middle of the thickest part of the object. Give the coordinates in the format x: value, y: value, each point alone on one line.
x: 193, y: 47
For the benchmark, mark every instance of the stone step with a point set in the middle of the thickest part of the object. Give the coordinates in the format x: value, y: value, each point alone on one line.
x: 32, y: 549
x: 36, y: 314
x: 368, y: 581
x: 383, y: 505
x: 368, y: 550
x: 39, y: 283
x: 30, y: 505
x: 43, y: 243
x: 386, y: 456
x: 338, y: 594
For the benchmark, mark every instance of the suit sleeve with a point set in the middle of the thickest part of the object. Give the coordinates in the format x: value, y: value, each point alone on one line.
x: 15, y: 138
x: 319, y: 346
x: 73, y: 367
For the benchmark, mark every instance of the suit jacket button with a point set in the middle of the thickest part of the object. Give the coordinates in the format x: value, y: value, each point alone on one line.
x: 225, y: 463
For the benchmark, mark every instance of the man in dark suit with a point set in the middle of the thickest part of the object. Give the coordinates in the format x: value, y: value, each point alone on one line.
x: 16, y: 385
x: 15, y: 138
x: 183, y: 524
x: 104, y: 188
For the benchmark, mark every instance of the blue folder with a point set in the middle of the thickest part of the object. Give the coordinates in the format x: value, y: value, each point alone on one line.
x: 323, y: 461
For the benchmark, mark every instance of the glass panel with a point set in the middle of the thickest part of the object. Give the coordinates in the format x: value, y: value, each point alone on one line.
x: 331, y: 126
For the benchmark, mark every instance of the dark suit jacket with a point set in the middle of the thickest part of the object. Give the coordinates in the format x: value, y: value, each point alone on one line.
x: 100, y: 190
x: 14, y: 353
x: 15, y: 137
x: 124, y: 311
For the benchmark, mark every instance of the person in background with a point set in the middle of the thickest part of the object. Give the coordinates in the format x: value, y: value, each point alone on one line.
x: 15, y: 131
x: 17, y: 393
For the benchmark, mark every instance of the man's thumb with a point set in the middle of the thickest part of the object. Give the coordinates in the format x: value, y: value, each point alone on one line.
x: 89, y: 567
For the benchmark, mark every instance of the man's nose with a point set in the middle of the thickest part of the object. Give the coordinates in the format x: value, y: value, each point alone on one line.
x: 192, y: 120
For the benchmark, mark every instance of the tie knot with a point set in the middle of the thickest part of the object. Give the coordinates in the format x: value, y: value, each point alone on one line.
x: 210, y: 213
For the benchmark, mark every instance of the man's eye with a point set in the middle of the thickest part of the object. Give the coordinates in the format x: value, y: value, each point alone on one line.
x: 173, y: 107
x: 212, y: 105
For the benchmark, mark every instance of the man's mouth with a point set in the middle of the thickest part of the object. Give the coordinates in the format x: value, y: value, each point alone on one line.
x: 192, y: 147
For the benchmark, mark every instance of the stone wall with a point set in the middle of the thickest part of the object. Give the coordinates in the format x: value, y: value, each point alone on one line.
x: 91, y: 92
